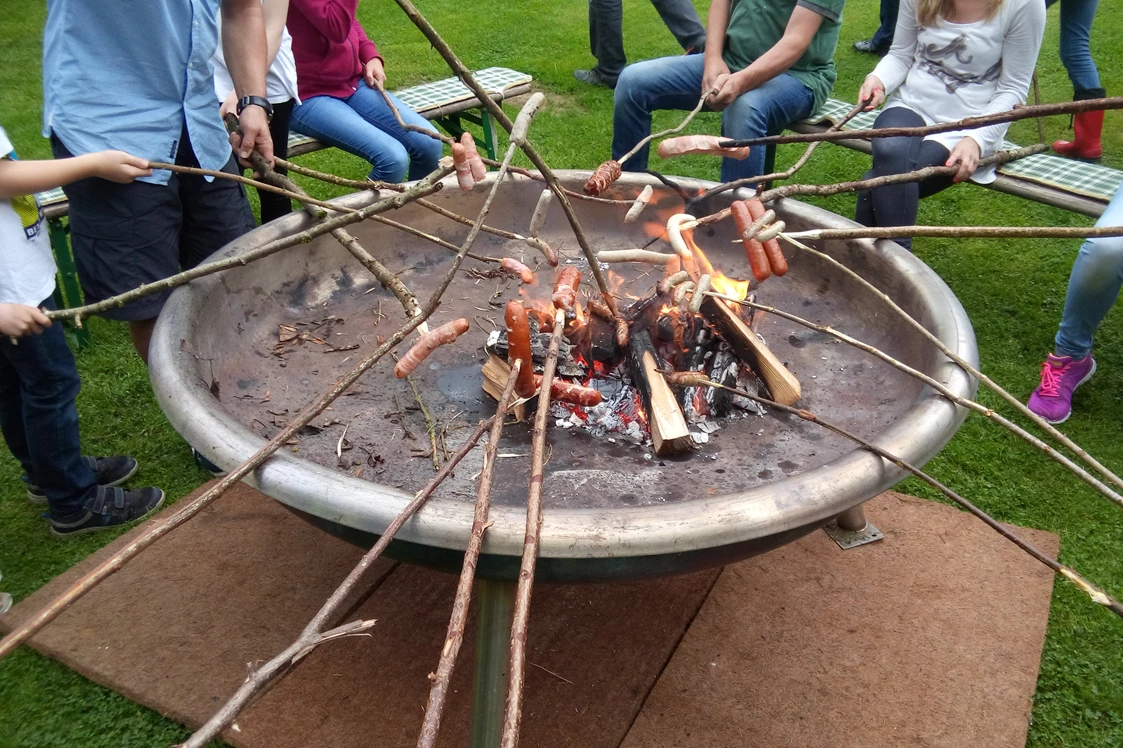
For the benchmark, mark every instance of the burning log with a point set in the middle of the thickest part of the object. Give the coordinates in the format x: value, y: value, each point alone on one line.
x: 780, y: 382
x: 669, y: 432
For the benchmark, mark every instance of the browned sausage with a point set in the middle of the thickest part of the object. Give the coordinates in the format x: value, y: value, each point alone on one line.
x: 428, y: 343
x: 518, y: 347
x: 565, y: 289
x: 511, y: 265
x: 568, y: 392
x: 742, y: 218
x: 776, y: 259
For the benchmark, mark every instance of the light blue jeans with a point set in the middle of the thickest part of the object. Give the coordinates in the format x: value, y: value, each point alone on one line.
x: 1093, y: 286
x: 676, y: 83
x: 1076, y: 54
x: 362, y: 124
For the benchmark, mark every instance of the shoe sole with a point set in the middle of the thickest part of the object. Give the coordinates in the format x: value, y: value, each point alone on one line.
x: 1074, y: 389
x: 40, y: 499
x: 130, y: 523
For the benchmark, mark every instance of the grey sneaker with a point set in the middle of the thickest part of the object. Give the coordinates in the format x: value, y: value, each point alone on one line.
x: 594, y: 78
x: 110, y: 471
x: 109, y: 507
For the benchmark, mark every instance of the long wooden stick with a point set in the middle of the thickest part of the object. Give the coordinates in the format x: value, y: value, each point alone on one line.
x: 442, y: 676
x: 823, y: 190
x: 427, y: 186
x: 969, y: 123
x: 313, y: 635
x: 697, y: 108
x: 970, y: 369
x: 982, y: 232
x: 941, y: 388
x: 432, y: 133
x: 1098, y: 595
x: 260, y: 185
x: 516, y: 668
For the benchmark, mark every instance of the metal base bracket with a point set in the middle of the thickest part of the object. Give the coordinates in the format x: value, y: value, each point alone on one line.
x: 848, y: 539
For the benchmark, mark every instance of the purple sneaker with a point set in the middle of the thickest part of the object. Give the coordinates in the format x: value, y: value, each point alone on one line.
x: 1060, y: 376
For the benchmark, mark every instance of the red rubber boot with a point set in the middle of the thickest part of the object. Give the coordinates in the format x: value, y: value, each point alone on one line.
x: 1087, y: 127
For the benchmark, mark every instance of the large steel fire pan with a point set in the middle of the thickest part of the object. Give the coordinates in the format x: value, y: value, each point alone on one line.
x: 611, y: 510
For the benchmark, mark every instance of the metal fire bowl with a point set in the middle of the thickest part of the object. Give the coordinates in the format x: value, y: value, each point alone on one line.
x: 611, y: 510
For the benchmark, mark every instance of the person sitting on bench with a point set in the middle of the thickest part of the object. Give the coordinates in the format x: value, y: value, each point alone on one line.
x: 770, y: 61
x: 950, y: 59
x: 338, y: 70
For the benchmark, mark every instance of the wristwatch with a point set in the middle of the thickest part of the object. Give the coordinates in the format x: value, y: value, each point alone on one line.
x: 260, y: 101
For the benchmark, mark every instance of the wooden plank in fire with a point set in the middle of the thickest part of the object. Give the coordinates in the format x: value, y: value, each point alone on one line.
x: 783, y: 385
x: 669, y: 432
x: 495, y: 372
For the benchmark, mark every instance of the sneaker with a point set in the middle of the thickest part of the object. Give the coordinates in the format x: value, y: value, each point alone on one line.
x: 109, y: 507
x: 207, y: 465
x: 1060, y: 376
x: 110, y: 471
x: 867, y: 46
x: 594, y: 78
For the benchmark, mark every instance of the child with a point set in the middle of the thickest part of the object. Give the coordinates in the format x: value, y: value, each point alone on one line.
x: 38, y: 378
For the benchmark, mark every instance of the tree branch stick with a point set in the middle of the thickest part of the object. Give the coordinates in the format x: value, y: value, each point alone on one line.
x: 382, y: 273
x: 966, y: 366
x: 1098, y: 596
x: 969, y: 123
x: 358, y: 184
x: 821, y: 190
x: 405, y: 125
x: 958, y: 232
x: 516, y: 669
x: 430, y: 184
x: 260, y: 679
x: 665, y: 133
x: 300, y: 195
x: 977, y: 407
x: 438, y: 692
x: 537, y: 177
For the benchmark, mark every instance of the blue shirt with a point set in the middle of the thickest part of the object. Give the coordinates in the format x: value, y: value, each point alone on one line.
x: 127, y: 74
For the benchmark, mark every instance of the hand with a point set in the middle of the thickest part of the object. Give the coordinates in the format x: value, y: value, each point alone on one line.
x: 965, y: 155
x: 255, y: 136
x: 874, y: 90
x: 229, y: 106
x: 17, y: 320
x: 729, y: 88
x: 373, y: 73
x: 712, y: 70
x: 118, y: 166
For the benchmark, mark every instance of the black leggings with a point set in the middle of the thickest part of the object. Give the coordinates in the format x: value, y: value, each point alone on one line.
x: 896, y: 204
x: 272, y: 204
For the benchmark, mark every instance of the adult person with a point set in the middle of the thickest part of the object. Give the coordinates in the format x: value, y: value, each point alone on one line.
x: 1076, y: 55
x: 137, y: 77
x: 770, y: 62
x: 280, y: 90
x: 882, y: 39
x: 338, y: 71
x: 950, y: 59
x: 1093, y: 287
x: 606, y: 36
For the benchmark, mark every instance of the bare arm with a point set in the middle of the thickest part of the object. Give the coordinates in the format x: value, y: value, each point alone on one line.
x: 716, y: 23
x: 29, y: 177
x: 801, y: 29
x: 244, y: 47
x: 276, y: 13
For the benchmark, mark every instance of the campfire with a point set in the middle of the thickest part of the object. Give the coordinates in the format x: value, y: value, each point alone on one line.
x: 611, y: 374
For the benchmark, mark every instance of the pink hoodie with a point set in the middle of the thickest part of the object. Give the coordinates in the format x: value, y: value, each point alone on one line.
x: 330, y: 47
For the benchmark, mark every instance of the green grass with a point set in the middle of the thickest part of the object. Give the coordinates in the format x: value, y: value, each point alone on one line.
x: 1013, y: 291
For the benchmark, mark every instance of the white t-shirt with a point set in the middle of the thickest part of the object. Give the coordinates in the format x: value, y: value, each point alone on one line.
x: 280, y: 80
x: 27, y: 267
x: 949, y: 71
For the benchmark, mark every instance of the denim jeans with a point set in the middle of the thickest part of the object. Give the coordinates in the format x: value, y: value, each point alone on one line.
x: 1093, y: 287
x: 883, y: 37
x: 362, y: 124
x: 38, y: 386
x: 606, y: 31
x: 676, y: 83
x: 1076, y: 55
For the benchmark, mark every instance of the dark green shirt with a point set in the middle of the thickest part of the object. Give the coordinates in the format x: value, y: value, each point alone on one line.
x: 756, y: 25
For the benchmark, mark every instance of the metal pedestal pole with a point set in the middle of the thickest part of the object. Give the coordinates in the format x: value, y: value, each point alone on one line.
x: 494, y: 608
x: 850, y: 529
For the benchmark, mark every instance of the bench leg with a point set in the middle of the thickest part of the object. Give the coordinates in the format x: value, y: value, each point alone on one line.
x: 491, y: 142
x: 452, y: 124
x: 68, y: 291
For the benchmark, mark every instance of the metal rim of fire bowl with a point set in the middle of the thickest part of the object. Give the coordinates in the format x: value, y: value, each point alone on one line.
x: 781, y: 510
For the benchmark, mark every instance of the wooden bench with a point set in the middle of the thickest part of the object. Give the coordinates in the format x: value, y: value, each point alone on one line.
x: 1044, y: 178
x: 448, y: 103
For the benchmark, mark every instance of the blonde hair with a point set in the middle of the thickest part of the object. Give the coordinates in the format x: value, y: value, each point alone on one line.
x: 927, y: 11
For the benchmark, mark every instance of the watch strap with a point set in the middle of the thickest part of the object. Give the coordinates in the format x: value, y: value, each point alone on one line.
x: 260, y: 101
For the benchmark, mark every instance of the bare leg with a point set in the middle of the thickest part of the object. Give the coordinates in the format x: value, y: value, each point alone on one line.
x: 140, y: 331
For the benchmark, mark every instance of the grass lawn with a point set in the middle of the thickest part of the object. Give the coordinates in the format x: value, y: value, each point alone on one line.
x: 1013, y: 291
